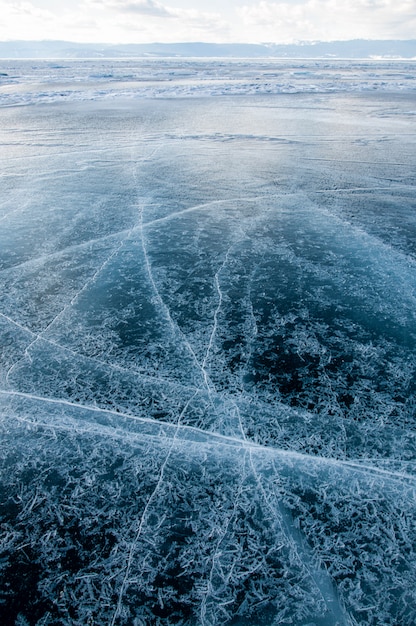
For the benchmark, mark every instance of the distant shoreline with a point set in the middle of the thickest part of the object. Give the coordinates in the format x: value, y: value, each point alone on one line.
x: 330, y: 50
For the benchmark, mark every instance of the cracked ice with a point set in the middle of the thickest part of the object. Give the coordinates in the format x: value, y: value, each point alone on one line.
x: 208, y: 361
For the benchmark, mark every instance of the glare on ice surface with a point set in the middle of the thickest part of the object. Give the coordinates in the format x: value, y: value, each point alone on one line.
x: 208, y: 322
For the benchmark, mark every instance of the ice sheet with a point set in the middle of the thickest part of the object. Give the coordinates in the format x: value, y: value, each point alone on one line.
x: 207, y: 375
x: 25, y: 82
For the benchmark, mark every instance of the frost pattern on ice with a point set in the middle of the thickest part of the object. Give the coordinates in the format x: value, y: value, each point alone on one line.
x: 207, y: 374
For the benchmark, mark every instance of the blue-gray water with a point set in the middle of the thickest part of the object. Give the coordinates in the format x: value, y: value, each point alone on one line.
x: 208, y: 323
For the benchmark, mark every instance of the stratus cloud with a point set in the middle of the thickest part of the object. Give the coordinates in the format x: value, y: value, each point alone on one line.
x: 22, y: 20
x: 329, y: 19
x: 150, y: 20
x: 137, y: 7
x: 9, y: 9
x: 182, y: 25
x: 138, y: 21
x: 146, y: 7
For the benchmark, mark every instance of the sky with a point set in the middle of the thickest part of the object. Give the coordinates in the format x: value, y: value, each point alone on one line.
x: 219, y: 21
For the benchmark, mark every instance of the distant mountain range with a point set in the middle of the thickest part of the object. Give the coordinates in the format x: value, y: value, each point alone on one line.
x: 354, y: 49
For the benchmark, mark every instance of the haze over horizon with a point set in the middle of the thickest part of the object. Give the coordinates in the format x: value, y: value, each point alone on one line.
x: 249, y: 21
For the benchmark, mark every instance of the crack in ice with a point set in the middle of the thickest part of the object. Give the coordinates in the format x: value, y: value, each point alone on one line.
x: 144, y: 515
x: 306, y: 558
x: 215, y: 438
x: 89, y: 282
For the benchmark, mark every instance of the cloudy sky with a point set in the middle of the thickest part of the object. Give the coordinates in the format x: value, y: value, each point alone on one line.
x: 254, y: 21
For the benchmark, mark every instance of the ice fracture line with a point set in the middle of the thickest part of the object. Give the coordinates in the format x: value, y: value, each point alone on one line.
x: 144, y: 515
x: 89, y: 282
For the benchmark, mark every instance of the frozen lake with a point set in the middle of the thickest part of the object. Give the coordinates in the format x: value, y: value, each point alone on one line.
x: 208, y: 323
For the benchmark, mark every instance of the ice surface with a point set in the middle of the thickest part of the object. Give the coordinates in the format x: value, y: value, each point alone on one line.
x: 208, y: 323
x: 36, y: 81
